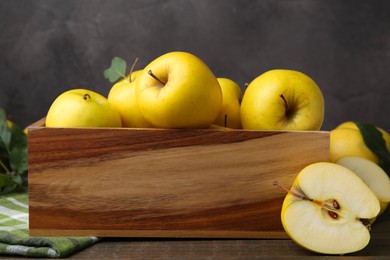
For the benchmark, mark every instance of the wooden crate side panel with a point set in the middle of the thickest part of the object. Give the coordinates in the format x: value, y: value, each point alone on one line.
x: 220, y: 184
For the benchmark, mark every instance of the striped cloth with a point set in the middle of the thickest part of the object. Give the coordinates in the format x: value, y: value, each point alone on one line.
x: 14, y: 235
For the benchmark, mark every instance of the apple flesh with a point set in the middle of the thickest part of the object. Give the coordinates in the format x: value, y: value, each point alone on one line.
x: 328, y: 208
x: 372, y: 174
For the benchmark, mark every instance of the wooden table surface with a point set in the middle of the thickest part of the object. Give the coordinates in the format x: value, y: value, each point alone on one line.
x: 127, y: 248
x: 225, y: 249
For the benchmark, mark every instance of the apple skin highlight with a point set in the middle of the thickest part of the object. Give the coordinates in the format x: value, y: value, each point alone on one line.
x: 187, y: 94
x: 282, y: 100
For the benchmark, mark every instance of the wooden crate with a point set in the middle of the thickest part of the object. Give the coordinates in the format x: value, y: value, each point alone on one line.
x: 122, y: 182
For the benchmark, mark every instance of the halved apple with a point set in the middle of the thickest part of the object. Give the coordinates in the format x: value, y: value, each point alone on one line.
x: 372, y: 174
x: 328, y: 209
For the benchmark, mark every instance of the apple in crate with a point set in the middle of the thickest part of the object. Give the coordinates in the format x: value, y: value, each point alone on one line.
x: 122, y: 98
x: 82, y: 108
x: 328, y: 209
x: 178, y: 90
x: 229, y: 116
x: 282, y: 100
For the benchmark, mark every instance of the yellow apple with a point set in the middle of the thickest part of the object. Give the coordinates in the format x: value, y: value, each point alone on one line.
x: 282, y: 100
x: 82, y: 108
x: 372, y: 174
x: 328, y: 208
x: 178, y: 90
x: 346, y: 140
x: 122, y: 98
x: 229, y: 116
x: 352, y: 125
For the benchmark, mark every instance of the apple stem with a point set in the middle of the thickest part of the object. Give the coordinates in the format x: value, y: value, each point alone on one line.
x: 86, y: 96
x: 132, y: 68
x: 296, y: 194
x: 331, y: 209
x: 154, y: 76
x: 285, y: 103
x: 7, y: 171
x: 226, y: 120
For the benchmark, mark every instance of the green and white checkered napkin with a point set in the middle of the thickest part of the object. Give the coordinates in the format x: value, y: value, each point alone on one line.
x: 14, y: 235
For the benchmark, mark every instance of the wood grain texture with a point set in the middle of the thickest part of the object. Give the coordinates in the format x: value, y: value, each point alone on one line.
x: 164, y: 182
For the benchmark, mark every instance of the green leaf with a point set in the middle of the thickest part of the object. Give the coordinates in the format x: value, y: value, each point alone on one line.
x: 18, y: 158
x: 17, y: 179
x: 5, y: 180
x: 117, y: 70
x: 3, y: 115
x: 4, y: 165
x: 3, y: 148
x: 13, y: 156
x: 17, y: 136
x: 5, y: 135
x: 374, y: 140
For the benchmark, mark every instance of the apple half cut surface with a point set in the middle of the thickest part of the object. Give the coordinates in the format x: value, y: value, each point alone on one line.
x: 372, y: 174
x: 328, y: 209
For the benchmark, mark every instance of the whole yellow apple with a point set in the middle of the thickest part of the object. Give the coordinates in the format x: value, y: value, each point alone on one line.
x: 347, y: 140
x: 352, y: 125
x: 282, y: 100
x: 178, y: 90
x: 122, y: 98
x: 82, y: 108
x: 229, y: 116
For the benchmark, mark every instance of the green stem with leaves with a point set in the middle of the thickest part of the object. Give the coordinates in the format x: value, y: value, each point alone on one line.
x: 7, y: 171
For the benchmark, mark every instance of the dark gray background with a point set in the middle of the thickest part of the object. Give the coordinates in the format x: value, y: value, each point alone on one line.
x: 47, y: 47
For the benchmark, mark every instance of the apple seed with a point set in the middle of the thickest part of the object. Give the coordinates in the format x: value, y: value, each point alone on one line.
x: 336, y: 205
x: 333, y: 214
x: 328, y: 208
